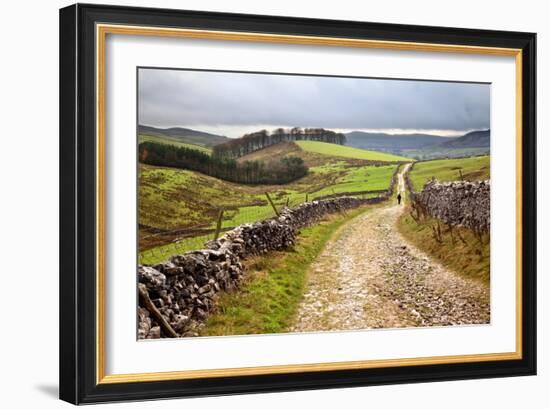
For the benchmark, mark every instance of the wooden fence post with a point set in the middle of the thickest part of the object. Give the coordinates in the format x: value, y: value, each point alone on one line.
x: 146, y: 302
x: 219, y: 224
x: 272, y: 204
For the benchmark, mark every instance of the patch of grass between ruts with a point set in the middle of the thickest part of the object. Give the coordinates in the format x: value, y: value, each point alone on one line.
x: 274, y: 285
x: 470, y: 258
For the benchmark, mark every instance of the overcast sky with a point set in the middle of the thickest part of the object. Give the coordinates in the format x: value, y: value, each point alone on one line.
x: 232, y: 104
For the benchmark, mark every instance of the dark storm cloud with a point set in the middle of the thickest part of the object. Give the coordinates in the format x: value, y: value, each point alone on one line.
x: 195, y: 99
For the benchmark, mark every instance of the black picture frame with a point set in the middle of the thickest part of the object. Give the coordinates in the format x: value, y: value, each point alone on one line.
x: 78, y: 355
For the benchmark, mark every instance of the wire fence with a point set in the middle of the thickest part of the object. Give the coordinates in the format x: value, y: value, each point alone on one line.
x: 181, y: 241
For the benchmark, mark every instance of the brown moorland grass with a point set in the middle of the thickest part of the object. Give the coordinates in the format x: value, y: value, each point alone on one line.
x: 461, y: 252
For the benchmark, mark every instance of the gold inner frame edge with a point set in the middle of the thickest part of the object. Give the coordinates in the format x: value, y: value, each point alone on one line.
x: 101, y: 33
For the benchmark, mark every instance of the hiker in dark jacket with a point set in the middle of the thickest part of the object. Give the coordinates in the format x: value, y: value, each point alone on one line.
x: 399, y: 198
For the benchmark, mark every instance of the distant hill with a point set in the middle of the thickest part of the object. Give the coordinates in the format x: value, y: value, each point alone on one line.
x: 184, y: 135
x: 422, y: 146
x: 167, y: 140
x: 384, y: 141
x: 475, y: 139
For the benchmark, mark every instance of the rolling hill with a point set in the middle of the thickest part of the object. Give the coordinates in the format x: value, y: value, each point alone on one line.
x: 172, y: 141
x: 184, y: 135
x: 423, y: 146
x: 348, y: 152
x: 384, y: 141
x: 475, y: 139
x: 278, y: 151
x: 178, y: 204
x: 179, y: 208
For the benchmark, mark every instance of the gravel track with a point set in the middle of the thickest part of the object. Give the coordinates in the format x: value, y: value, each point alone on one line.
x: 369, y: 276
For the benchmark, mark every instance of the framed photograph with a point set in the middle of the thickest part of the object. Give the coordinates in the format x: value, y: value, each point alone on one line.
x: 257, y: 203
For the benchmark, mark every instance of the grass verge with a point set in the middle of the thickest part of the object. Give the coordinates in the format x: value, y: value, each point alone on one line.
x: 470, y: 258
x: 271, y: 293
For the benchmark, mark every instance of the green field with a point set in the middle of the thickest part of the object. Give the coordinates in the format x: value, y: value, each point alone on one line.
x: 355, y: 179
x: 348, y: 152
x: 179, y: 209
x: 180, y: 200
x: 438, y: 152
x: 446, y: 170
x: 172, y: 141
x: 161, y: 253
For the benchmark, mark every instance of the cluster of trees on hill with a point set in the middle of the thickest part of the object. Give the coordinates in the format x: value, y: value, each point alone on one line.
x: 257, y: 140
x: 250, y: 172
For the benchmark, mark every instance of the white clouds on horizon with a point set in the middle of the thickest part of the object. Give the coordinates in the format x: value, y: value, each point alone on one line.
x: 230, y: 103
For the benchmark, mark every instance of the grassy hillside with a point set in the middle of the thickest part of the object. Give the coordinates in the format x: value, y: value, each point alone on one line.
x: 442, y: 152
x: 348, y: 152
x: 277, y: 152
x: 474, y: 168
x: 354, y: 179
x: 380, y: 141
x: 475, y: 139
x: 185, y: 135
x: 174, y: 203
x: 311, y: 158
x: 171, y: 141
x: 179, y: 209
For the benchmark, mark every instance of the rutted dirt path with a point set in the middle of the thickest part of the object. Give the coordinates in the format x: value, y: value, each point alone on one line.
x: 369, y: 276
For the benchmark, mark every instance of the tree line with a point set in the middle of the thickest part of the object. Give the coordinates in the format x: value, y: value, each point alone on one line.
x: 251, y: 142
x: 284, y: 171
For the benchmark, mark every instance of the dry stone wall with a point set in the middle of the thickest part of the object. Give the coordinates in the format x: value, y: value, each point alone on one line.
x: 176, y: 296
x: 461, y: 203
